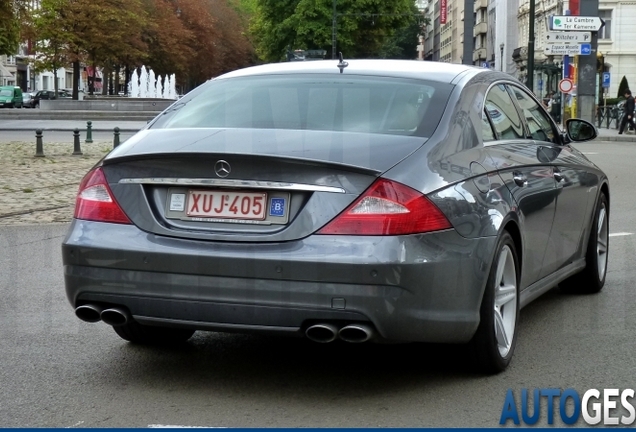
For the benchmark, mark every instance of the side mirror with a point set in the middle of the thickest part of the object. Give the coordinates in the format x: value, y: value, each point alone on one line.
x: 580, y: 130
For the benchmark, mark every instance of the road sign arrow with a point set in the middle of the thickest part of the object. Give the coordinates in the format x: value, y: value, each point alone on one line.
x: 576, y: 23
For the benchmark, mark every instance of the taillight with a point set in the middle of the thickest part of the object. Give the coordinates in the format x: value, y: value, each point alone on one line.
x: 388, y: 208
x: 95, y: 200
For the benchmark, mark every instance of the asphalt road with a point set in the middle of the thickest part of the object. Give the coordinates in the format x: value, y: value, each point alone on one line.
x: 58, y: 371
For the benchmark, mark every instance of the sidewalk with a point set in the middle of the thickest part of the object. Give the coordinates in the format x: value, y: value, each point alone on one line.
x: 612, y: 135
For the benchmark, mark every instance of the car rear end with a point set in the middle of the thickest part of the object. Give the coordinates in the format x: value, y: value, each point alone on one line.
x: 258, y: 204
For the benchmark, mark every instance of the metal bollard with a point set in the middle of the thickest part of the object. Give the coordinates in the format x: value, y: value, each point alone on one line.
x: 116, y: 138
x: 89, y: 132
x: 39, y: 147
x: 77, y: 150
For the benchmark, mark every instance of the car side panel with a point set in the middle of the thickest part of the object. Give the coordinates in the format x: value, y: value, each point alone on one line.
x: 576, y: 194
x: 536, y: 200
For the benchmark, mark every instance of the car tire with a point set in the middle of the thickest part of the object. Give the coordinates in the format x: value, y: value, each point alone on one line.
x: 494, y: 342
x: 134, y: 332
x: 591, y: 279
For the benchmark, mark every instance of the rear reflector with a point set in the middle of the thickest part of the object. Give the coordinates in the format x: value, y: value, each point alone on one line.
x: 388, y: 208
x: 95, y: 200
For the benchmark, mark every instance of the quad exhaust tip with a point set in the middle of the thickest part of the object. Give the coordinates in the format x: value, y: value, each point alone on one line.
x: 322, y: 333
x: 115, y: 316
x: 89, y: 312
x: 356, y: 333
x: 353, y: 333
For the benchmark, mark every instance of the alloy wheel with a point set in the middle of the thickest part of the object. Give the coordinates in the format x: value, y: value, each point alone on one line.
x: 602, y: 241
x: 505, y: 309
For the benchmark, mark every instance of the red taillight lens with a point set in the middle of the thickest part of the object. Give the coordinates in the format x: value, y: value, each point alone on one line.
x: 388, y: 208
x: 95, y: 200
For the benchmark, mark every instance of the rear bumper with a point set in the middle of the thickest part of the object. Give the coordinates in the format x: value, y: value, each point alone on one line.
x: 411, y: 288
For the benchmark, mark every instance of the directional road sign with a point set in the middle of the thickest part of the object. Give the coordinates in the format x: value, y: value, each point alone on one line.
x: 484, y: 64
x: 567, y: 49
x: 560, y: 37
x: 576, y: 23
x: 606, y: 79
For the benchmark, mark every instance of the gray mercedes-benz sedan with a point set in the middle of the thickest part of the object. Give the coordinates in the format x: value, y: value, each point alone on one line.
x: 354, y: 200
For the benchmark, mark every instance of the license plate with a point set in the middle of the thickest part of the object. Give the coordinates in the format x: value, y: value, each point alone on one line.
x: 226, y: 205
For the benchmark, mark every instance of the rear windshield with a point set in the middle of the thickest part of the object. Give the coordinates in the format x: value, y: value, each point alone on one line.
x: 313, y: 102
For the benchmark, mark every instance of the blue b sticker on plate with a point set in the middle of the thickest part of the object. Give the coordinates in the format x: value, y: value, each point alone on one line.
x: 277, y: 208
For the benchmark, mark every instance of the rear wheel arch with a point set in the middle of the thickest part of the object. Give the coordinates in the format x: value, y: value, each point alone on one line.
x: 513, y: 229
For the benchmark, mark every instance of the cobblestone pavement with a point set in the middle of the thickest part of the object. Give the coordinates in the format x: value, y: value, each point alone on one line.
x: 36, y: 190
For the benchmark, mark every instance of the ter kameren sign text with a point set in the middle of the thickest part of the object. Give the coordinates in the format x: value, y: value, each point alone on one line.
x: 574, y: 23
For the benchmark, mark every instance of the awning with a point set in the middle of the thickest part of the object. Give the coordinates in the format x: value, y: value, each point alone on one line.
x: 4, y: 72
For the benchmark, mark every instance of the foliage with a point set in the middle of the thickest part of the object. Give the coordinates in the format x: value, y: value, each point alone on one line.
x: 197, y: 40
x: 622, y: 87
x: 52, y: 41
x: 194, y: 39
x: 362, y: 30
x: 12, y: 12
x: 403, y: 43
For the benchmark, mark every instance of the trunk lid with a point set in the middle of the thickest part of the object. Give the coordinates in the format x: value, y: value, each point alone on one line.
x: 246, y: 184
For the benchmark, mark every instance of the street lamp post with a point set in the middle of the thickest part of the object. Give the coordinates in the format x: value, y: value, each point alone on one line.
x: 501, y: 48
x: 333, y: 32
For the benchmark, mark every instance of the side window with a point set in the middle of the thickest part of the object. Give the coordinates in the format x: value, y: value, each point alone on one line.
x: 503, y: 113
x: 538, y: 121
x: 486, y: 129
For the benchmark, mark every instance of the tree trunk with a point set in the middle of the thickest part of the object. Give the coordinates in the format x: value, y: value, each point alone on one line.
x: 55, y: 89
x: 117, y: 69
x: 127, y: 75
x: 76, y: 79
x: 105, y: 80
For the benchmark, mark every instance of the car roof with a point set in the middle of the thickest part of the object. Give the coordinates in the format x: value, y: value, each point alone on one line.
x: 432, y: 71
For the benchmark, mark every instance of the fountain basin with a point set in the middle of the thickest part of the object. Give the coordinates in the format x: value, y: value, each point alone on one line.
x: 107, y: 104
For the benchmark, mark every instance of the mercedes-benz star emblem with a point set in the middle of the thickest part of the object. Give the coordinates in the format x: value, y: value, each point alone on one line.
x: 222, y: 168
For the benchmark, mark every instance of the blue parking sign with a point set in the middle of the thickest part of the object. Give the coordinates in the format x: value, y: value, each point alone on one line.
x: 606, y: 79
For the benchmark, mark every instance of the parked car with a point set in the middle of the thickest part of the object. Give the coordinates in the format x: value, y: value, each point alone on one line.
x: 10, y: 97
x: 27, y: 100
x: 49, y: 95
x: 362, y: 200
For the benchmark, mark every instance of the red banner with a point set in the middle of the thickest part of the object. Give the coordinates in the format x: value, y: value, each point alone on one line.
x: 575, y: 7
x: 442, y: 11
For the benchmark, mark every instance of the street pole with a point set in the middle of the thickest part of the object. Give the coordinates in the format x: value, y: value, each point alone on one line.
x: 469, y: 23
x: 586, y: 82
x: 334, y: 23
x: 530, y: 79
x: 501, y: 48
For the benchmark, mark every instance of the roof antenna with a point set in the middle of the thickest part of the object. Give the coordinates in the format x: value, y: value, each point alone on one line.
x: 342, y: 64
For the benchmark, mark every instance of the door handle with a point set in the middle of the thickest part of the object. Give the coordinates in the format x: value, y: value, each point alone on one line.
x: 558, y: 176
x: 520, y: 179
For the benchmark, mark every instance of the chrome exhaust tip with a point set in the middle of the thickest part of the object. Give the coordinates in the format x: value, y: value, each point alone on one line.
x: 356, y: 333
x: 322, y: 333
x: 89, y: 312
x: 115, y: 316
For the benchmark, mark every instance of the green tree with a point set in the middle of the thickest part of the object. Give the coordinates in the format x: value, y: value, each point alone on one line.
x: 12, y: 15
x: 363, y: 26
x: 51, y: 41
x: 622, y: 87
x: 403, y: 43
